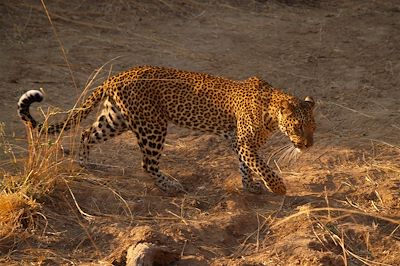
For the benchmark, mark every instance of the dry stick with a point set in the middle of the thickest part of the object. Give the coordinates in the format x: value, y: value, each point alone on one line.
x: 334, y: 209
x: 146, y: 218
x: 279, y: 209
x: 67, y: 62
x: 350, y: 109
x: 315, y: 233
x: 177, y: 216
x: 166, y: 4
x: 89, y: 83
x: 347, y: 251
x: 182, y: 207
x: 64, y: 55
x: 366, y: 261
x: 183, y: 248
x: 44, y: 218
x: 344, y: 249
x: 392, y: 233
x: 242, y: 246
x: 84, y: 214
x: 327, y: 203
x: 107, y: 166
x: 83, y: 227
x: 113, y: 27
x: 46, y: 253
x: 175, y: 45
x: 258, y: 233
x: 340, y: 241
x: 61, y: 45
x: 389, y: 168
x: 121, y: 198
x: 385, y: 143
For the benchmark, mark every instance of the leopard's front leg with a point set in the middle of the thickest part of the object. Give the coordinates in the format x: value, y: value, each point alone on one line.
x: 246, y: 142
x: 248, y: 183
x: 252, y: 160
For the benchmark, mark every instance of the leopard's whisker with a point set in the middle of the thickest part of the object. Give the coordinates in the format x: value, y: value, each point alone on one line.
x: 290, y: 155
x: 294, y: 154
x: 277, y: 151
x: 284, y: 154
x: 280, y: 149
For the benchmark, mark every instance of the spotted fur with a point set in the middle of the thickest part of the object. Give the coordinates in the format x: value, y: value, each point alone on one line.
x: 145, y: 99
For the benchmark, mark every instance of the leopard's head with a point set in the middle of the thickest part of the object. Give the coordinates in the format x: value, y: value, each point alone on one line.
x: 296, y: 120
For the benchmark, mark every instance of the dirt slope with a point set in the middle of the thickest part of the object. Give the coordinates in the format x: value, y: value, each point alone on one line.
x: 346, y: 54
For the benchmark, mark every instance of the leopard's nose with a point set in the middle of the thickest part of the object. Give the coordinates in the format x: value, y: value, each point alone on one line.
x: 308, y: 143
x: 300, y: 146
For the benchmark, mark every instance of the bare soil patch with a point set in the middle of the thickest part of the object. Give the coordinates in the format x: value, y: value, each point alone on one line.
x: 342, y: 206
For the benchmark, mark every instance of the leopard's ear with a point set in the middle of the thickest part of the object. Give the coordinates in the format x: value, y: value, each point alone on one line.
x: 287, y: 107
x: 309, y: 100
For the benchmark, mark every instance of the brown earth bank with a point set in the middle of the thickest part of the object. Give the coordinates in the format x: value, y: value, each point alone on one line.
x: 342, y: 206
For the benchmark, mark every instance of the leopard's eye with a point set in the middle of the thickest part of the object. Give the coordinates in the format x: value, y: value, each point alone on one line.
x: 300, y: 129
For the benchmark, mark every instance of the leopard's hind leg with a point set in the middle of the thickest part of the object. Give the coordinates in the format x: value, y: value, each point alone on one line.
x: 109, y: 123
x: 151, y: 138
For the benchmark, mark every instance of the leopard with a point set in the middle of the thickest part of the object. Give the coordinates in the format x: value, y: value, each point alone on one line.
x: 146, y: 99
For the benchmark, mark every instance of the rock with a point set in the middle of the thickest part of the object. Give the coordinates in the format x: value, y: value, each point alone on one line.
x: 147, y: 254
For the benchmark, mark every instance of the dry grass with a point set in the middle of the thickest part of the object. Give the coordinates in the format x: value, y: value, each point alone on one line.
x: 41, y: 170
x: 43, y: 166
x: 20, y: 191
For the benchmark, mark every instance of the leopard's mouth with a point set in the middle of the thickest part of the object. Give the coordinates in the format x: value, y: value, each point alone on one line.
x: 300, y: 146
x: 303, y: 145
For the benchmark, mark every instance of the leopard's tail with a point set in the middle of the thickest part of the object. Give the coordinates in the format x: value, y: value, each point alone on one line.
x: 73, y: 118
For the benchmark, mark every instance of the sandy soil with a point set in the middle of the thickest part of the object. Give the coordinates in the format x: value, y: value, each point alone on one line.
x: 346, y: 54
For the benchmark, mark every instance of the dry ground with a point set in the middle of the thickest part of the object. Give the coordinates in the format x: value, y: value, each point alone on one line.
x: 346, y: 54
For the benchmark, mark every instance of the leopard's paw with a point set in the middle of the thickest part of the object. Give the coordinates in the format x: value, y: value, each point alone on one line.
x: 254, y: 187
x: 171, y: 186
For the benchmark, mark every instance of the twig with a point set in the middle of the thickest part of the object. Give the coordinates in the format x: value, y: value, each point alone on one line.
x: 350, y: 109
x: 341, y: 242
x: 84, y: 214
x: 61, y: 44
x: 177, y: 216
x: 183, y: 248
x: 305, y: 212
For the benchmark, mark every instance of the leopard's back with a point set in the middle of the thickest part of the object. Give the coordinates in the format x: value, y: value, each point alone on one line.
x: 190, y: 99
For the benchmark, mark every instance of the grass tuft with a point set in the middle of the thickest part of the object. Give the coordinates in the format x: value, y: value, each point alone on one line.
x: 21, y: 192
